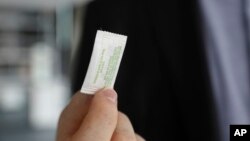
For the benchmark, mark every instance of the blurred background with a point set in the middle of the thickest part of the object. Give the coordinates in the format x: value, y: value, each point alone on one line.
x: 37, y: 39
x: 185, y: 69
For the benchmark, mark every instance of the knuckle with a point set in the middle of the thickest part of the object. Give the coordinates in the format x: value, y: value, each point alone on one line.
x: 123, y: 136
x: 139, y: 138
x: 123, y: 117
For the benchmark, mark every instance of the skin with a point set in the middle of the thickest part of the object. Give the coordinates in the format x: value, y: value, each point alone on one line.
x: 95, y: 118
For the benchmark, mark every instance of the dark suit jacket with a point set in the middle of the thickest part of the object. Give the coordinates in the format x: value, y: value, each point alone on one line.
x: 162, y: 83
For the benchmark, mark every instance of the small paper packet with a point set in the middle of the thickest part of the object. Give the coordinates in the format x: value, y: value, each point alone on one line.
x: 105, y: 61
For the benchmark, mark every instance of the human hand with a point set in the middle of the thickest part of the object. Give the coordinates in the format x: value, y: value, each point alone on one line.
x: 95, y: 118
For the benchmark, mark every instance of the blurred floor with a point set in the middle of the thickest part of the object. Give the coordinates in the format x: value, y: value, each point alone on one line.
x: 25, y: 135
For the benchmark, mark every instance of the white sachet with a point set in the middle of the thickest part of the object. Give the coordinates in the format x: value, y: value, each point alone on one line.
x: 105, y: 61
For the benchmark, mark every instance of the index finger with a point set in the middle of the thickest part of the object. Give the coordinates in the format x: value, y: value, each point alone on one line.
x: 124, y: 130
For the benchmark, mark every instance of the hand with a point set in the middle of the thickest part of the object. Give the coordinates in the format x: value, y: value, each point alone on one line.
x: 95, y: 118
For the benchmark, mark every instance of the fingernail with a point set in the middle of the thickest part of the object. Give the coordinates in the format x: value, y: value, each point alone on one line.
x: 110, y: 95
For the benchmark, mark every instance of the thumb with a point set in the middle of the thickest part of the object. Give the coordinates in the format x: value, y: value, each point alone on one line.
x: 101, y: 119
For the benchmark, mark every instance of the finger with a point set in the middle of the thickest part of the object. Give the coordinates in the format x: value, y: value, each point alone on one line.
x: 139, y: 138
x: 124, y: 130
x: 100, y: 122
x: 72, y: 116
